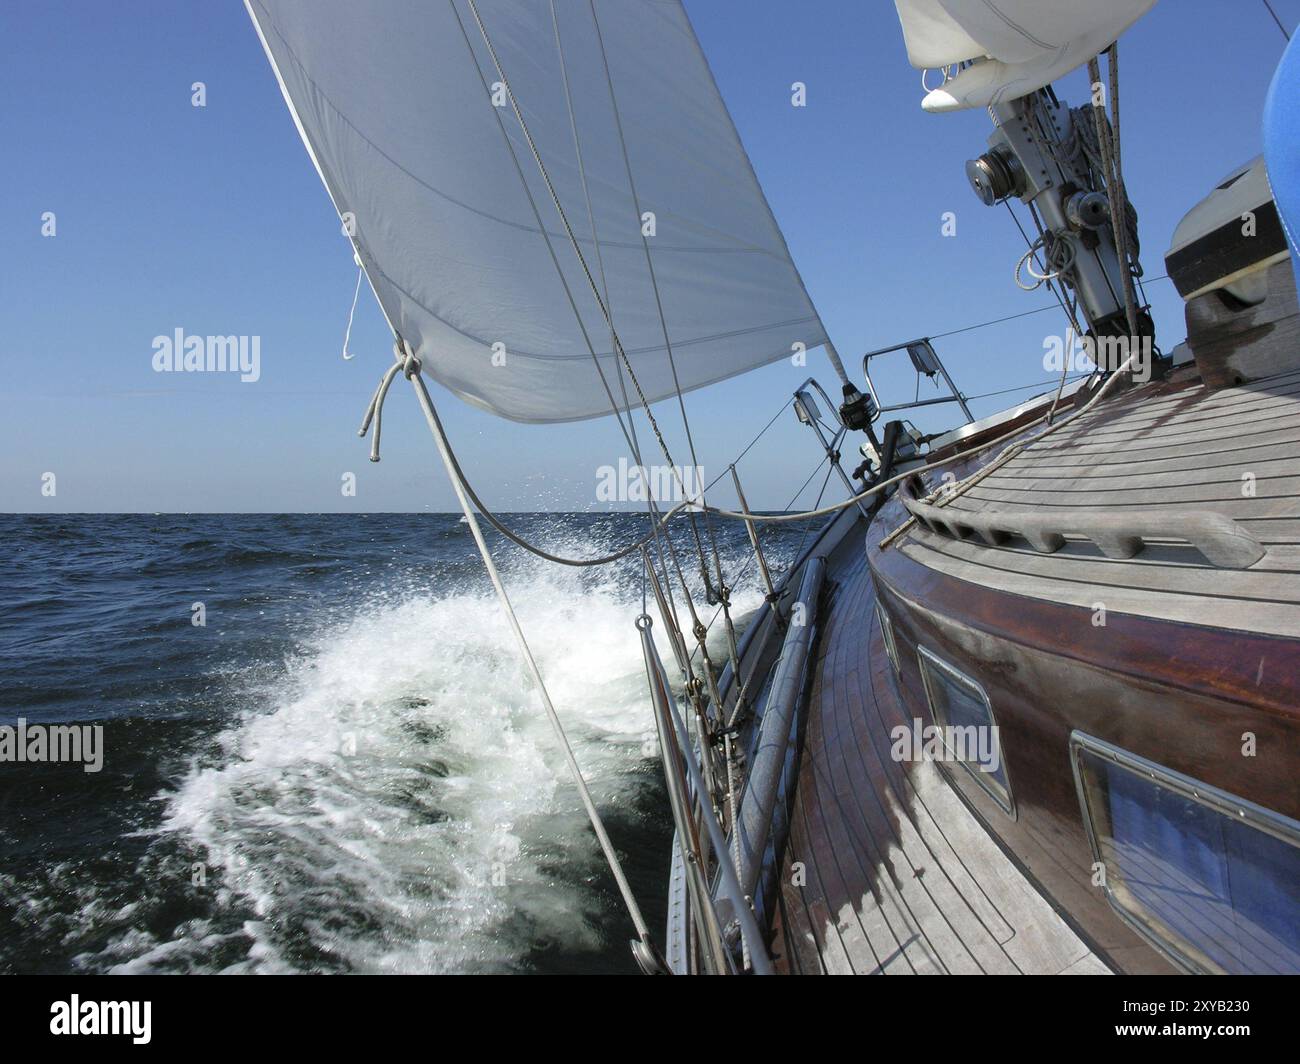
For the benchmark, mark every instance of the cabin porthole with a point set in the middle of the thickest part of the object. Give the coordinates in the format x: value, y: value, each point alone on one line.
x: 969, y: 730
x: 1208, y: 878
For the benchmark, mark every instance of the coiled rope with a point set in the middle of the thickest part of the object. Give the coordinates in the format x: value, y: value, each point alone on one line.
x: 1061, y: 255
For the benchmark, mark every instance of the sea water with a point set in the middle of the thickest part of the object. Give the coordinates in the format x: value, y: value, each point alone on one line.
x: 320, y: 751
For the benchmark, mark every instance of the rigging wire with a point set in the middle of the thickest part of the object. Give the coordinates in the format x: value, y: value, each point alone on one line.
x: 411, y: 367
x: 749, y: 446
x: 691, y: 506
x: 995, y: 321
x: 564, y: 283
x: 568, y: 229
x: 1027, y: 387
x: 1277, y: 20
x: 755, y: 516
x: 720, y: 592
x: 633, y: 441
x: 628, y: 429
x: 586, y: 270
x: 753, y: 556
x: 821, y: 494
x: 1013, y: 317
x: 654, y: 285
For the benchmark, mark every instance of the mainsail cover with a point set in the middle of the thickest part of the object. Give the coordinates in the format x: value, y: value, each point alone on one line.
x: 403, y: 110
x: 1019, y: 45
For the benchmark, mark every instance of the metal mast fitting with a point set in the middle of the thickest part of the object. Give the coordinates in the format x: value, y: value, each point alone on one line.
x: 1058, y: 161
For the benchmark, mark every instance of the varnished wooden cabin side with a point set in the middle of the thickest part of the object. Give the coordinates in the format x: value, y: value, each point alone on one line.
x: 1181, y: 694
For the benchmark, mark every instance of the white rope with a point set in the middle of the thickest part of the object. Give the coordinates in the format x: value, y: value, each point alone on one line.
x: 411, y: 367
x: 347, y: 336
x: 1065, y: 369
x: 1061, y: 259
x: 375, y: 411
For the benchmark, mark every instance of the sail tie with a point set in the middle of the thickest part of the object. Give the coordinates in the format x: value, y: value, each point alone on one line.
x: 356, y: 294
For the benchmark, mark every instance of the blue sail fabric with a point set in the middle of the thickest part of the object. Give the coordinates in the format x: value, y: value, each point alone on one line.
x: 1282, y: 145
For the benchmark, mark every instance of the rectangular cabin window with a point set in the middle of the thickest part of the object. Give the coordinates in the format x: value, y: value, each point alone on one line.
x: 1211, y: 879
x: 963, y: 713
x: 887, y: 634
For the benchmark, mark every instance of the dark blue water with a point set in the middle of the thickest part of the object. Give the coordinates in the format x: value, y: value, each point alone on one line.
x: 343, y: 769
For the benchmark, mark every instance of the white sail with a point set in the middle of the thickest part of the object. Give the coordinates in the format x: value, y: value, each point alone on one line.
x: 412, y: 128
x: 1018, y: 45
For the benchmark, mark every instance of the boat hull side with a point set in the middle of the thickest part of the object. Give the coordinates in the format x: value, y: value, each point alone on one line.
x: 1180, y: 695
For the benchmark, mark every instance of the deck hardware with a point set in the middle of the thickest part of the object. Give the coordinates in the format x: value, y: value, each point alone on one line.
x: 1220, y: 539
x: 806, y: 410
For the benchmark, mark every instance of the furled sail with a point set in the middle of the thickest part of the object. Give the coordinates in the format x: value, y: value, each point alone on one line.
x: 407, y: 110
x: 1017, y: 46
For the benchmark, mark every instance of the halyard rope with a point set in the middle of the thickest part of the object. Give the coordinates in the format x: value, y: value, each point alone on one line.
x: 1108, y: 139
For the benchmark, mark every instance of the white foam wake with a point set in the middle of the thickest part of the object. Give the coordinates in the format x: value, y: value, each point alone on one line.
x: 395, y: 800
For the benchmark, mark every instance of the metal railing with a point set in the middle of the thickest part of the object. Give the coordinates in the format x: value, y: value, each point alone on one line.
x: 927, y: 363
x: 724, y: 827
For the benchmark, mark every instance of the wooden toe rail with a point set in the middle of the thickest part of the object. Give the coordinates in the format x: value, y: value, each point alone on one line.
x: 1220, y: 539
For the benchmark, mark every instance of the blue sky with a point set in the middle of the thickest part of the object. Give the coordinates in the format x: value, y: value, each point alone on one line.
x: 212, y: 219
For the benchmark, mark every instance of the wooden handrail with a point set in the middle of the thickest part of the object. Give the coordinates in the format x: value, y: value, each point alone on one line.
x: 1220, y: 539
